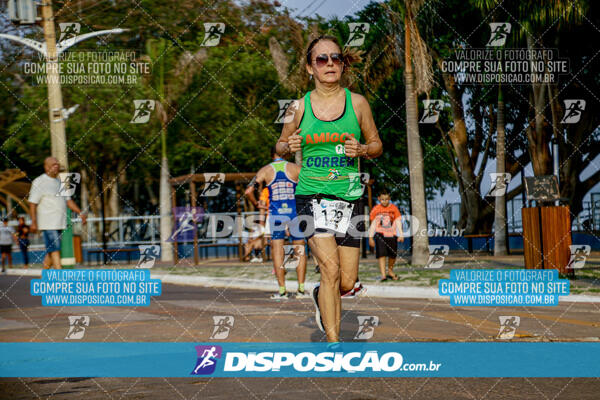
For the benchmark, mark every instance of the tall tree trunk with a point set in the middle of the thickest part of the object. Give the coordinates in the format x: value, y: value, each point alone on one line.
x: 500, y: 228
x: 113, y: 198
x: 420, y: 240
x: 538, y: 135
x: 166, y: 220
x: 470, y: 196
x: 95, y: 204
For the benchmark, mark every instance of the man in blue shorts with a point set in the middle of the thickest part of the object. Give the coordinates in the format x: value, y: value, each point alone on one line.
x: 280, y: 177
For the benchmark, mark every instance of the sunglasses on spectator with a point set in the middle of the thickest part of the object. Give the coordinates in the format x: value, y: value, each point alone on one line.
x: 322, y: 59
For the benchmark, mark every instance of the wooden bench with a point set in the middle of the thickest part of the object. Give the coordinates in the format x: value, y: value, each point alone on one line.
x: 470, y: 238
x: 487, y: 237
x: 207, y: 246
x: 108, y: 252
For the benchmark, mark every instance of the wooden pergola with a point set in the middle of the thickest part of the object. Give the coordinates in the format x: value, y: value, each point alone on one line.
x: 11, y: 186
x: 241, y: 180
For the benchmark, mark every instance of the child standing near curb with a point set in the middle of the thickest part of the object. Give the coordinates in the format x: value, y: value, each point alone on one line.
x: 385, y: 233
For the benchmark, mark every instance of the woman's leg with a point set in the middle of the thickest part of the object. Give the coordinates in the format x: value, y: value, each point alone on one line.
x: 324, y: 247
x: 349, y: 250
x: 349, y: 258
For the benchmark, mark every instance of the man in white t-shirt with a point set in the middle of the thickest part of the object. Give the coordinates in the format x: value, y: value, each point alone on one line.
x: 48, y: 210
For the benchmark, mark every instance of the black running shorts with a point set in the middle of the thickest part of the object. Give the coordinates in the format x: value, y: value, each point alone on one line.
x: 304, y: 210
x: 385, y: 246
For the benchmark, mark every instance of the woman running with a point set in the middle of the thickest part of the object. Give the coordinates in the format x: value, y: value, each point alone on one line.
x: 327, y: 129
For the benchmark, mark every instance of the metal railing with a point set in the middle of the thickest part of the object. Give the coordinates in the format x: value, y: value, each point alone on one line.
x: 128, y: 230
x: 588, y: 220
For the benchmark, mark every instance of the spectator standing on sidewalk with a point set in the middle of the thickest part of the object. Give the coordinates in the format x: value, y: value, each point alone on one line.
x: 48, y: 210
x: 7, y: 236
x: 23, y: 239
x: 385, y: 233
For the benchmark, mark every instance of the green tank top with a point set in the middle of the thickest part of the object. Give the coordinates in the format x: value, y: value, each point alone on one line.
x: 325, y: 167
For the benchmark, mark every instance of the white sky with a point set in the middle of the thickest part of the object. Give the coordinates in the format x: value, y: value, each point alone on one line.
x: 325, y: 8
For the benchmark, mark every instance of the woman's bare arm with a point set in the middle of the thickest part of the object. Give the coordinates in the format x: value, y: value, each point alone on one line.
x: 373, y: 147
x: 290, y: 131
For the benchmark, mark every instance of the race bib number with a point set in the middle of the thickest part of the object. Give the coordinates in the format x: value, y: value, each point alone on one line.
x: 332, y: 214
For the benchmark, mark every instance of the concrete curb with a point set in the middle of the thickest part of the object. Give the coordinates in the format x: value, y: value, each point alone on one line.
x: 271, y: 286
x: 395, y: 292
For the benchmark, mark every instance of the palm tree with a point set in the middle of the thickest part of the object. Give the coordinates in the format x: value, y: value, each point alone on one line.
x: 417, y: 79
x: 170, y: 81
x: 534, y: 20
x: 418, y: 76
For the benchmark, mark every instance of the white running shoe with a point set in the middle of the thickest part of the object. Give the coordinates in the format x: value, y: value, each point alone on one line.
x: 358, y: 291
x: 278, y: 296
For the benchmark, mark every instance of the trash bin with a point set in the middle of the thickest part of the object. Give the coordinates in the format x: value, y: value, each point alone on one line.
x: 547, y: 237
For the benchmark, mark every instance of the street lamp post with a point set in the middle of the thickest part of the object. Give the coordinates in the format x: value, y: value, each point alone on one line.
x: 51, y: 51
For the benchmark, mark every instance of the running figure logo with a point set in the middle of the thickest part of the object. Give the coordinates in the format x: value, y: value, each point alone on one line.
x: 143, y: 109
x: 333, y: 174
x: 499, y: 184
x: 437, y: 254
x: 358, y: 33
x: 573, y: 110
x: 291, y: 255
x: 500, y: 31
x: 366, y: 327
x: 77, y: 325
x: 431, y: 111
x: 579, y: 253
x: 207, y: 359
x: 357, y: 181
x: 212, y: 33
x: 186, y: 223
x: 68, y: 183
x: 287, y: 110
x: 212, y: 184
x: 508, y: 326
x: 223, y: 325
x: 68, y: 32
x: 148, y: 255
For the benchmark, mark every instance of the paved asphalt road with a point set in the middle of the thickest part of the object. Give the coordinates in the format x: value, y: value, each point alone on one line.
x: 184, y: 314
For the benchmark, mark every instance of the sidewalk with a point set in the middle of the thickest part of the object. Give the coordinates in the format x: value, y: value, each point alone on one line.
x: 412, y: 283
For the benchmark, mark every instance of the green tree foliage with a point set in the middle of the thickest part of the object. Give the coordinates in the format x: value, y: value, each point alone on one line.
x: 98, y: 133
x: 228, y: 113
x: 224, y: 119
